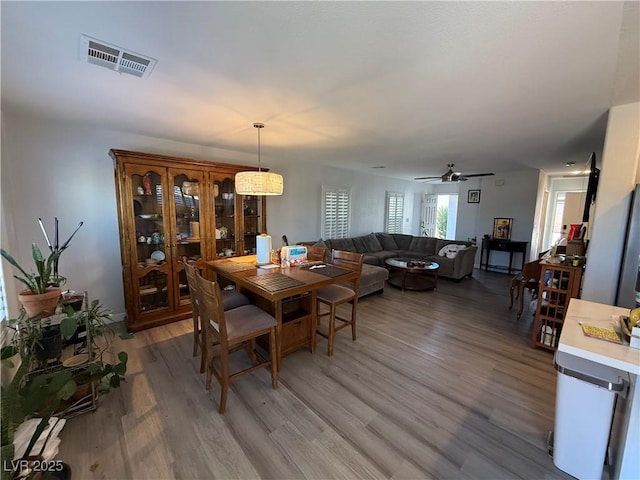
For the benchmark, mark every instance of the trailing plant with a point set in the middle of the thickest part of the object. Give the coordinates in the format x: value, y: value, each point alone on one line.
x: 43, y: 392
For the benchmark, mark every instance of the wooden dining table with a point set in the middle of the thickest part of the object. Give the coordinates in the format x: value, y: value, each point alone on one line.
x: 287, y: 293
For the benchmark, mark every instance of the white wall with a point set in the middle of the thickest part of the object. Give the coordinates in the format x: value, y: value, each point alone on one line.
x: 51, y: 169
x: 297, y: 212
x: 507, y: 195
x: 618, y: 176
x: 467, y: 221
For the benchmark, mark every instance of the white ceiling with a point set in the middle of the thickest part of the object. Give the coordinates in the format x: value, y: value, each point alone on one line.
x: 412, y: 86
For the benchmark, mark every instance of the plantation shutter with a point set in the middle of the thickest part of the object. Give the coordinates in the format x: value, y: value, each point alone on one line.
x: 395, y: 212
x: 3, y: 300
x: 335, y: 203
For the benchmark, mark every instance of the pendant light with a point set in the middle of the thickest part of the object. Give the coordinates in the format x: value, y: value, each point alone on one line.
x: 258, y: 183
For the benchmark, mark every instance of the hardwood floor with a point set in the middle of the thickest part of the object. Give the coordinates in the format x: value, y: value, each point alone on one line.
x: 439, y: 384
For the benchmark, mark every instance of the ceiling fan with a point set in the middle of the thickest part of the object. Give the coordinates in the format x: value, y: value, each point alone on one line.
x: 450, y: 176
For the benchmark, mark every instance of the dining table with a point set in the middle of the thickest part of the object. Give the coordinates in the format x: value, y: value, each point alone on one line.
x: 286, y: 292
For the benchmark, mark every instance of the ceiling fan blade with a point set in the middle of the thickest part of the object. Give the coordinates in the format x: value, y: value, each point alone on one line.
x: 479, y: 174
x: 450, y: 176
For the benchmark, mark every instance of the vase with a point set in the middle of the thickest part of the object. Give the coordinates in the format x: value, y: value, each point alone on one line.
x: 43, y: 304
x: 50, y: 345
x: 146, y: 184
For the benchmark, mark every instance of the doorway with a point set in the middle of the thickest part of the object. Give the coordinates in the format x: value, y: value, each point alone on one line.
x: 565, y: 207
x: 439, y: 215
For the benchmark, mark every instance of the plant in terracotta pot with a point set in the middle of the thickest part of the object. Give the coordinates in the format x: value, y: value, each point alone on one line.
x: 43, y: 287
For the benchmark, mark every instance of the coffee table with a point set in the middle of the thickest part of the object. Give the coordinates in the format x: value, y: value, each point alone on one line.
x: 412, y: 274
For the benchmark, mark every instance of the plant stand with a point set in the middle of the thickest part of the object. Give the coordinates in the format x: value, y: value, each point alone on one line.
x: 85, y: 398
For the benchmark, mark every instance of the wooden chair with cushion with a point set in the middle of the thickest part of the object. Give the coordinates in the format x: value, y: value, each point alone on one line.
x: 230, y: 299
x: 332, y: 296
x: 232, y: 330
x: 316, y: 254
x: 528, y: 278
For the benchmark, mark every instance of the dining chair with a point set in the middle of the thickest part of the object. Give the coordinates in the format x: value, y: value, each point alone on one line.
x: 528, y: 278
x: 332, y: 296
x: 230, y: 299
x: 230, y: 331
x: 316, y: 254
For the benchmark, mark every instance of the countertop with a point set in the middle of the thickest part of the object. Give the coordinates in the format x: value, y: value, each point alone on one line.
x: 575, y: 342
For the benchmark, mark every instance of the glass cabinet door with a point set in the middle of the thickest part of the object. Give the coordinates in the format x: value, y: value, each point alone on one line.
x: 185, y: 226
x: 252, y: 221
x: 149, y: 211
x: 224, y: 205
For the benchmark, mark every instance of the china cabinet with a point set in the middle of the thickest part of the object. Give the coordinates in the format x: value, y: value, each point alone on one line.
x: 558, y: 284
x: 174, y: 210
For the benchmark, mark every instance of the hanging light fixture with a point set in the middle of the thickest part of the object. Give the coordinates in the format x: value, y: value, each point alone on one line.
x: 258, y: 183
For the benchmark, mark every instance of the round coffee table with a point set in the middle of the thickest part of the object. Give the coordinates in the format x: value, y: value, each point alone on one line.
x: 412, y: 274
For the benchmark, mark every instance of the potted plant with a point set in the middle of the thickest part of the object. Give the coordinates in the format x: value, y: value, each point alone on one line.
x: 47, y: 394
x: 43, y: 288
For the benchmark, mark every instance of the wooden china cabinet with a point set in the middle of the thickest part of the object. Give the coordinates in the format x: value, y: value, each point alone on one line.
x: 173, y: 210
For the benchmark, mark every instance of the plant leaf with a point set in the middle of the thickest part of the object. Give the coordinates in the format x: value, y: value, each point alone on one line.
x: 67, y: 390
x: 68, y: 327
x: 12, y: 261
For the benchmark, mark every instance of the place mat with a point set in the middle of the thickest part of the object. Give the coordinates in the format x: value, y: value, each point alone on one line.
x: 608, y: 334
x: 274, y: 282
x: 330, y: 271
x: 230, y: 266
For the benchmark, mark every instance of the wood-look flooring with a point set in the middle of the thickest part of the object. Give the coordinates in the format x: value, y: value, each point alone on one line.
x: 439, y: 385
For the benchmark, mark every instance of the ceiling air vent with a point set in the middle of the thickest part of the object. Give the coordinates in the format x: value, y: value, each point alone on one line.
x: 115, y: 58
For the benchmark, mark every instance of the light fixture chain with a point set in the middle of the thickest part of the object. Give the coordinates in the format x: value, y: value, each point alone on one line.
x: 259, y: 126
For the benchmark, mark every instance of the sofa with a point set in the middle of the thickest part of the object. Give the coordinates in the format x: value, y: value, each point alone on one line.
x: 455, y: 257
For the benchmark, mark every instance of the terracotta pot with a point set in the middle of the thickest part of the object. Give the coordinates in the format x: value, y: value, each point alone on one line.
x: 40, y: 303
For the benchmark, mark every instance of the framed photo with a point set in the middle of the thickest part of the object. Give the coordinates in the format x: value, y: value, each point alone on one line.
x: 473, y: 196
x: 502, y: 228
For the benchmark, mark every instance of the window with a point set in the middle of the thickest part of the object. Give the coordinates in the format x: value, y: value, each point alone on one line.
x: 395, y: 212
x: 3, y: 300
x: 335, y: 212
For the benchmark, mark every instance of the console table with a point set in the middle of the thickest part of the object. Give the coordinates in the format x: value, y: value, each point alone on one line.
x: 496, y: 244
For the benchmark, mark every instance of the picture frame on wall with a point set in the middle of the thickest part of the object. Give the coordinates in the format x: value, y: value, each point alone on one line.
x: 473, y: 196
x: 502, y: 228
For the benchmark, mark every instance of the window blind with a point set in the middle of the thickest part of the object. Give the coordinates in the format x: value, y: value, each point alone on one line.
x: 394, y: 212
x: 335, y: 215
x: 3, y: 300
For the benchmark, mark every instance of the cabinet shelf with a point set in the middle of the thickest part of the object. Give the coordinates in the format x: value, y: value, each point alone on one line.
x: 558, y: 285
x: 173, y: 216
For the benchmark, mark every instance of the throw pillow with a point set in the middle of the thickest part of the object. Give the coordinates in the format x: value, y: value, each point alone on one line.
x: 371, y: 243
x: 358, y: 242
x: 387, y: 241
x: 451, y: 250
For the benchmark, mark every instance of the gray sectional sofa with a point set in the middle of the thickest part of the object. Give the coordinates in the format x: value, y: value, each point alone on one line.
x: 377, y: 247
